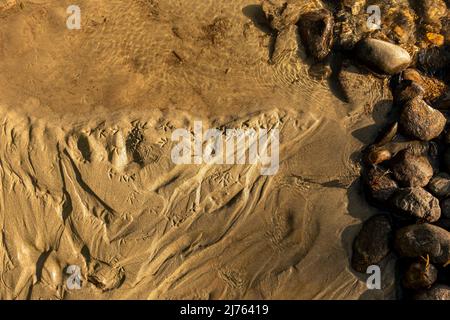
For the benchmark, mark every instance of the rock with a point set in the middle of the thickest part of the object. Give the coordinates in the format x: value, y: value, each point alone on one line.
x: 415, y: 147
x: 372, y: 244
x: 434, y: 89
x: 445, y: 208
x: 316, y: 32
x: 380, y: 184
x: 411, y: 170
x: 387, y: 135
x: 274, y: 11
x: 435, y: 38
x: 421, y: 121
x: 413, y: 75
x: 355, y: 6
x: 399, y: 23
x: 433, y: 60
x: 378, y: 155
x: 417, y: 203
x: 438, y: 292
x: 439, y: 185
x: 281, y: 13
x: 349, y: 29
x: 383, y: 56
x: 431, y: 10
x: 420, y: 240
x: 407, y: 91
x: 420, y: 276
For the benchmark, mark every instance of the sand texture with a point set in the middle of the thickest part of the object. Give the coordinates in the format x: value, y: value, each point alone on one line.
x: 86, y: 176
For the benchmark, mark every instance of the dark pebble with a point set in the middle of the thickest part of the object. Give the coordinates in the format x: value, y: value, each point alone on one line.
x: 431, y: 10
x: 433, y: 60
x: 439, y: 185
x: 383, y: 56
x: 420, y: 240
x: 417, y: 203
x: 420, y: 276
x: 350, y: 29
x: 380, y: 184
x: 316, y: 32
x: 372, y: 244
x: 438, y: 292
x: 421, y: 121
x: 411, y: 170
x: 407, y: 91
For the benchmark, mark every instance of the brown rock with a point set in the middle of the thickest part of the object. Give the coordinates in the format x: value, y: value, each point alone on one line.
x: 387, y: 135
x: 415, y: 147
x: 434, y: 89
x: 355, y: 6
x: 417, y: 203
x: 446, y: 28
x: 421, y: 121
x: 274, y: 11
x: 440, y: 185
x: 420, y: 240
x: 434, y: 156
x: 411, y: 170
x: 413, y: 75
x: 350, y: 29
x: 372, y: 244
x: 378, y: 155
x: 399, y: 23
x: 438, y: 292
x: 432, y: 60
x: 420, y: 275
x: 380, y: 184
x: 435, y: 38
x: 431, y: 10
x: 408, y: 91
x: 383, y: 56
x: 316, y: 32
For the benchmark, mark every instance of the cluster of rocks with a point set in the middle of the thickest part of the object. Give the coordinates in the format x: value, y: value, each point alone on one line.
x: 406, y: 174
x: 407, y: 170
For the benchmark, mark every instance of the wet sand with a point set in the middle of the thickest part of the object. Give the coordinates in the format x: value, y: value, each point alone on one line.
x: 86, y: 173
